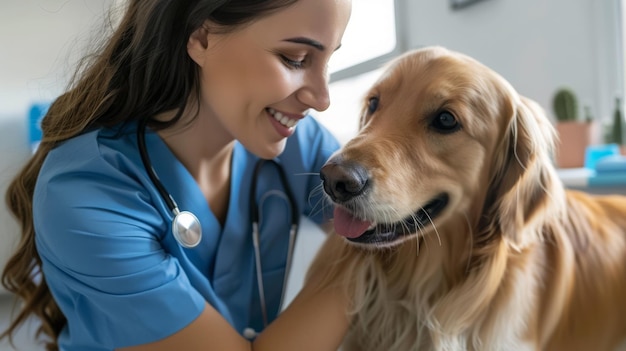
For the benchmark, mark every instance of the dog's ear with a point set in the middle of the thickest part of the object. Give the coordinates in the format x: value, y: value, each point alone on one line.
x: 523, y: 180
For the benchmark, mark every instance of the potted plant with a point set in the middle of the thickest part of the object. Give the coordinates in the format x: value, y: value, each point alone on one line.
x: 574, y: 135
x: 616, y: 135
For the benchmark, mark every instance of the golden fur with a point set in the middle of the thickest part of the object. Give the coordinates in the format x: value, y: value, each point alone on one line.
x: 513, y: 262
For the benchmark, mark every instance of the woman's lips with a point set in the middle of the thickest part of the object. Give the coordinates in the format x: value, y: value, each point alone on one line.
x: 284, y: 123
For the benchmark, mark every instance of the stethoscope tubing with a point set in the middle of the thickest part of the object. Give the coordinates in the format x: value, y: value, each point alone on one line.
x: 185, y: 225
x: 145, y: 159
x: 254, y: 213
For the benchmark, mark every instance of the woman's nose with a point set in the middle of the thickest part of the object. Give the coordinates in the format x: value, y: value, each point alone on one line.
x: 314, y: 92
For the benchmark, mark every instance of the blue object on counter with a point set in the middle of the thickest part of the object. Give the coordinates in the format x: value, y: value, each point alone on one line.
x: 595, y: 153
x: 608, y: 179
x: 35, y: 114
x: 611, y: 164
x: 610, y: 171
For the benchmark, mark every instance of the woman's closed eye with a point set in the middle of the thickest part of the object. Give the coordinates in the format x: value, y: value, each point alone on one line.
x: 295, y: 63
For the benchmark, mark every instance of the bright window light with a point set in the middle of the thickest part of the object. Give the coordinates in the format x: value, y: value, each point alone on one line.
x: 346, y: 97
x: 371, y: 34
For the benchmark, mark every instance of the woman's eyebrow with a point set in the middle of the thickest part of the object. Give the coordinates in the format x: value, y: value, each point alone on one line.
x: 307, y: 41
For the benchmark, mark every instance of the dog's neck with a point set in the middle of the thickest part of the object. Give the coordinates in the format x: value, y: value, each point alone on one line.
x: 443, y: 272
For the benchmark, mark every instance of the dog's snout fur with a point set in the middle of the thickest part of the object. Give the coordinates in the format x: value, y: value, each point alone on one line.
x: 343, y: 180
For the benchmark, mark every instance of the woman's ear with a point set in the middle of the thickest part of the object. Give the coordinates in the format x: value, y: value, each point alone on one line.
x: 198, y: 43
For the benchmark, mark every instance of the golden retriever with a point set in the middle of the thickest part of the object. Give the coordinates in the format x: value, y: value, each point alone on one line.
x: 454, y: 230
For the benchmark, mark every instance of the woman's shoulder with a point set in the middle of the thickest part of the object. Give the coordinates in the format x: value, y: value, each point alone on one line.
x: 312, y: 135
x: 92, y: 178
x: 309, y: 127
x: 97, y: 151
x: 85, y: 167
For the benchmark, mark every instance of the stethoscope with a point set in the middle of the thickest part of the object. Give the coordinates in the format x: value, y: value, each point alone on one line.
x: 185, y: 225
x: 187, y: 230
x: 293, y: 230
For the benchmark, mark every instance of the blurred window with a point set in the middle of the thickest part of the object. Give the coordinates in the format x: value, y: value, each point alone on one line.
x: 373, y: 36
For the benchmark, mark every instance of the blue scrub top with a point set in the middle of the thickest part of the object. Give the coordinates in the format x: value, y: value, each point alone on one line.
x: 108, y: 254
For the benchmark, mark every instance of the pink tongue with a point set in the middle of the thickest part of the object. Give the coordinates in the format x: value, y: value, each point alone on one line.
x: 348, y: 226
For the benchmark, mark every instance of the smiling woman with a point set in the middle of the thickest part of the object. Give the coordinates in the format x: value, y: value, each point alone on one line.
x: 181, y: 102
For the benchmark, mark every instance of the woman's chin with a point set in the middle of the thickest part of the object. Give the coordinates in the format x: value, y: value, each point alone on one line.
x: 270, y: 151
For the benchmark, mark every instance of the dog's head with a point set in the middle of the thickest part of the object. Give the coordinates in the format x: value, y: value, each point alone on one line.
x: 442, y: 139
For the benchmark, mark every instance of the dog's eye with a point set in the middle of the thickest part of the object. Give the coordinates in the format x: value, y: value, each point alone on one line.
x: 445, y: 122
x: 372, y: 105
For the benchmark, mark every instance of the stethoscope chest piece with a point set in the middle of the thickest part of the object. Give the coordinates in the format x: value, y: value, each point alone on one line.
x: 186, y: 229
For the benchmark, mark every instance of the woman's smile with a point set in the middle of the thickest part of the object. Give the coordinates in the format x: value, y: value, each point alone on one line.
x: 284, y: 123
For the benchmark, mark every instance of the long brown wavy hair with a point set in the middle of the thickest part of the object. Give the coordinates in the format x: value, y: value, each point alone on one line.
x: 141, y: 70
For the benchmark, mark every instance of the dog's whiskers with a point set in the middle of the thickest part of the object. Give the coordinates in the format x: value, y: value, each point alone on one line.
x: 471, y: 242
x: 433, y: 224
x: 321, y: 203
x: 417, y: 244
x: 420, y: 227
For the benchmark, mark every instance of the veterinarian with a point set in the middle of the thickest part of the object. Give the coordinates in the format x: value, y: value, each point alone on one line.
x: 137, y: 208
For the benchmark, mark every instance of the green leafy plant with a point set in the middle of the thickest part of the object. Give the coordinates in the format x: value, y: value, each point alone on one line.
x: 617, y: 130
x: 565, y: 105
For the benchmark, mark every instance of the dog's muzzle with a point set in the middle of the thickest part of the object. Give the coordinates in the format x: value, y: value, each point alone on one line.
x: 347, y: 184
x: 344, y: 181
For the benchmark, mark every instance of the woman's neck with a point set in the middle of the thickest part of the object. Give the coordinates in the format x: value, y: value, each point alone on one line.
x: 206, y: 152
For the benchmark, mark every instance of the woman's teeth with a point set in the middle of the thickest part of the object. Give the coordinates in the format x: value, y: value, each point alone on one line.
x: 282, y: 119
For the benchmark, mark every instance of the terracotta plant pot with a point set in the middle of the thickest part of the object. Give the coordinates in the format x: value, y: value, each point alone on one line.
x: 574, y: 137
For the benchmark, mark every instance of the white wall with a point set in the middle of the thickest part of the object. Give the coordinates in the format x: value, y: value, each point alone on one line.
x: 40, y: 41
x: 537, y: 45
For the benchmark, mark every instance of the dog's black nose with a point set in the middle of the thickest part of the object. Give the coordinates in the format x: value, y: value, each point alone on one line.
x: 343, y: 180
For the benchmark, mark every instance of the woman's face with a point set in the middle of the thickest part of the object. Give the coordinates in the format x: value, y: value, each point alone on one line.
x: 259, y: 81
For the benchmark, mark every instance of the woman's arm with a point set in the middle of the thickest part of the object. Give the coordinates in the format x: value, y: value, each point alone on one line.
x: 316, y: 320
